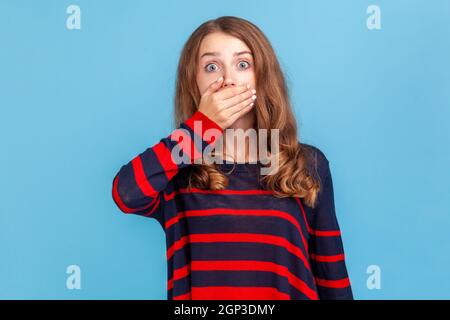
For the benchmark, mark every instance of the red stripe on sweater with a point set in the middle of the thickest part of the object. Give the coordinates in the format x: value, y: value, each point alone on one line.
x: 154, y: 208
x: 238, y: 237
x: 324, y: 233
x: 243, y: 212
x: 233, y: 293
x: 303, y: 213
x: 116, y: 197
x: 184, y: 296
x: 337, y: 284
x: 334, y: 258
x: 141, y: 178
x: 246, y: 265
x: 317, y: 233
x: 186, y: 143
x: 206, y: 124
x: 165, y: 159
x: 171, y: 195
x: 121, y: 204
x: 178, y: 274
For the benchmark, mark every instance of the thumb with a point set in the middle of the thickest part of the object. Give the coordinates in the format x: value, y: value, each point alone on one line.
x: 213, y: 87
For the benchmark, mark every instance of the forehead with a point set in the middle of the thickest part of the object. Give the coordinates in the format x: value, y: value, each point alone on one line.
x: 222, y: 44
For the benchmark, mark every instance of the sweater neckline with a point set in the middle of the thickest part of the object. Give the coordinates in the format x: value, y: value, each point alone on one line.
x: 239, y: 166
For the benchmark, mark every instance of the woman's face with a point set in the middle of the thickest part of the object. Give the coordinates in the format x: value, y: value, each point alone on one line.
x: 223, y: 55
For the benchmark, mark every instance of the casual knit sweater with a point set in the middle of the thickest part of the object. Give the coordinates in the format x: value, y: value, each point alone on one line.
x: 241, y: 242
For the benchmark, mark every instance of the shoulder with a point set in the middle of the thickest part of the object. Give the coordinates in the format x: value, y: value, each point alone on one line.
x: 316, y: 160
x: 320, y: 170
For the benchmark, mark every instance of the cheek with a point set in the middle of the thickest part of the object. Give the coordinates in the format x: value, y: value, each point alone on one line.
x: 248, y: 78
x: 203, y: 82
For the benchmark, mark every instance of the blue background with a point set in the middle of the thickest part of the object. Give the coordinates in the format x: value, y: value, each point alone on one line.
x: 78, y: 104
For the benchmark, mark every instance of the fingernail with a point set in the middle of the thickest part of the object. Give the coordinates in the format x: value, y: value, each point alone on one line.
x: 251, y: 104
x: 253, y: 91
x: 248, y: 86
x: 253, y: 97
x: 220, y: 79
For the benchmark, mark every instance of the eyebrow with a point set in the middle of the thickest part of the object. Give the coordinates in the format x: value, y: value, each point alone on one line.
x: 218, y: 53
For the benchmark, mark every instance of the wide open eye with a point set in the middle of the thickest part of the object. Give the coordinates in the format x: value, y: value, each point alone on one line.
x: 244, y: 64
x: 211, y: 67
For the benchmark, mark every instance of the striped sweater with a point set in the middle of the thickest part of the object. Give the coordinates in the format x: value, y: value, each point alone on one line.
x: 241, y: 242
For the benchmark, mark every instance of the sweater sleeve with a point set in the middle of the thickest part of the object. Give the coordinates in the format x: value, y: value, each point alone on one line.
x: 325, y: 243
x: 138, y: 187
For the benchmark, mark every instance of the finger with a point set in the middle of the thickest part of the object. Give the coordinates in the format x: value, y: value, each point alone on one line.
x: 249, y: 94
x: 213, y: 87
x: 238, y: 114
x: 236, y: 108
x: 230, y: 92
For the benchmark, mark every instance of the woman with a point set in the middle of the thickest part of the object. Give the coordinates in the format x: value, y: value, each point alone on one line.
x: 232, y: 233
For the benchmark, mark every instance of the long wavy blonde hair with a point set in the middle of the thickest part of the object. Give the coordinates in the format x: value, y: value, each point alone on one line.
x: 294, y: 177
